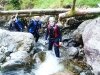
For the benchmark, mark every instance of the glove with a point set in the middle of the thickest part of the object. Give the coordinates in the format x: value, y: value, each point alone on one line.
x: 46, y: 42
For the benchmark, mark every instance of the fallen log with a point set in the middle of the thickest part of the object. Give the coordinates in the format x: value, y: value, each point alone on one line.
x: 35, y: 11
x: 80, y: 12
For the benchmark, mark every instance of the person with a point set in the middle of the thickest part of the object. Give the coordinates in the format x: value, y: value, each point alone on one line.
x: 25, y: 23
x: 16, y: 24
x: 54, y: 36
x: 34, y: 26
x: 11, y: 24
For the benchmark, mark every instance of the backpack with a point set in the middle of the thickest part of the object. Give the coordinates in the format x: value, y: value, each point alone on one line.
x: 34, y: 26
x: 18, y: 25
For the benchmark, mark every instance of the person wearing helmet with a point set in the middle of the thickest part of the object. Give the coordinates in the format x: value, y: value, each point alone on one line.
x: 34, y: 26
x: 15, y: 24
x: 54, y: 36
x: 11, y: 24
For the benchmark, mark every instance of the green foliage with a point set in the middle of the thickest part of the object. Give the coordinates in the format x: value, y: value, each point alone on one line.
x: 92, y: 3
x: 29, y: 4
x: 56, y: 3
x: 15, y: 3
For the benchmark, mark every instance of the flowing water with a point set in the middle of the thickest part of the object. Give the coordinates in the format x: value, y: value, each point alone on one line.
x: 49, y: 66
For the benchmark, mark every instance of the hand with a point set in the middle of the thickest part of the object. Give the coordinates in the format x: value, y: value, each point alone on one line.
x: 60, y: 43
x: 46, y: 42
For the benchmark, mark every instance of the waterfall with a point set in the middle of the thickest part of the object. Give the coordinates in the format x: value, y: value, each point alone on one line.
x: 50, y: 65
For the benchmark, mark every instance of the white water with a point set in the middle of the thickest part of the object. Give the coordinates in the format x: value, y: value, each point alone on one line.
x: 50, y: 65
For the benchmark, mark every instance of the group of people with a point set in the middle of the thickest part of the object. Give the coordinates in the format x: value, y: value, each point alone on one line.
x: 53, y: 33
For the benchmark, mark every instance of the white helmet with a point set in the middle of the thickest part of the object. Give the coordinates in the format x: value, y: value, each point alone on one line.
x: 52, y: 19
x: 37, y: 18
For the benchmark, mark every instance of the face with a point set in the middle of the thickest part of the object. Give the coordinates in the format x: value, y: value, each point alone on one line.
x: 51, y: 23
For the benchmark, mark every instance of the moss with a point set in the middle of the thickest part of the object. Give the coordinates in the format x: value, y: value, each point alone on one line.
x: 42, y: 56
x: 70, y: 65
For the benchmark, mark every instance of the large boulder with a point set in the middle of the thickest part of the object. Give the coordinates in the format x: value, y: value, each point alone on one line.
x: 15, y: 41
x: 91, y: 39
x: 14, y: 47
x: 77, y: 34
x: 16, y: 60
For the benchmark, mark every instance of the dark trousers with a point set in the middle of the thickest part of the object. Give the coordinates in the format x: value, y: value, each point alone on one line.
x: 55, y: 43
x: 36, y: 36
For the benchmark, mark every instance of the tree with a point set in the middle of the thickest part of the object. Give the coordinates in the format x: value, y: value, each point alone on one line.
x: 61, y: 3
x: 27, y: 4
x: 16, y: 4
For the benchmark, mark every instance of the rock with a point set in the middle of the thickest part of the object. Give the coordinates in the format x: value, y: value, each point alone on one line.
x: 77, y: 34
x: 15, y: 41
x: 39, y: 57
x: 82, y: 73
x: 2, y: 57
x: 72, y: 52
x: 91, y: 39
x: 64, y: 73
x: 77, y: 69
x: 40, y: 46
x: 88, y: 72
x: 80, y: 28
x: 17, y: 60
x: 73, y: 23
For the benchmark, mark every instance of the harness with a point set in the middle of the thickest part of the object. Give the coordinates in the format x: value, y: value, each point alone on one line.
x: 55, y: 31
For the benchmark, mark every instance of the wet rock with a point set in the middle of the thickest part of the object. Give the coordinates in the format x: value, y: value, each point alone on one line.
x: 88, y: 72
x: 2, y: 57
x: 91, y: 39
x: 73, y: 23
x: 39, y: 57
x: 72, y: 51
x: 3, y: 24
x: 83, y: 73
x: 77, y: 69
x: 15, y: 41
x: 64, y: 73
x: 77, y: 34
x: 17, y: 59
x: 80, y: 28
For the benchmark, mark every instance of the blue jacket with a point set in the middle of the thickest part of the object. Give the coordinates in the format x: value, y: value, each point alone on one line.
x: 19, y: 25
x: 34, y: 26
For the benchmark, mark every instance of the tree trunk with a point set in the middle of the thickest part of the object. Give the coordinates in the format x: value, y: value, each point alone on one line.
x: 80, y: 12
x: 35, y: 11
